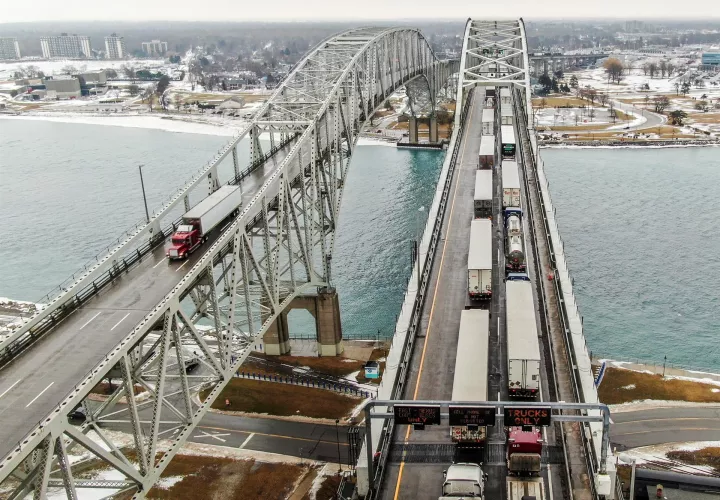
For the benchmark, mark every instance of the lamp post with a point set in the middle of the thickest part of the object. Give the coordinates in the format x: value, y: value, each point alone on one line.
x: 337, y: 435
x: 142, y: 185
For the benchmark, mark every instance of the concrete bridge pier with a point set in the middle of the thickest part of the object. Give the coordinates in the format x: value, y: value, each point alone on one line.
x: 325, y: 308
x: 413, y: 126
x: 433, y: 129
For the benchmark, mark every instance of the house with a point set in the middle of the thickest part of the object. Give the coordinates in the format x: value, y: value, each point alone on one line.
x: 235, y: 102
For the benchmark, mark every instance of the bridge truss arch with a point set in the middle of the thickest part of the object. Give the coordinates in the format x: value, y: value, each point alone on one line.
x: 278, y: 247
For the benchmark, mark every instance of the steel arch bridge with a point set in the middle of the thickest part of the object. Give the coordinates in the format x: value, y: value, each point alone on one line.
x: 278, y: 247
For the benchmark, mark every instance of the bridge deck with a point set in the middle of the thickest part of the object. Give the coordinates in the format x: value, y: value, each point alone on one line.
x: 34, y: 383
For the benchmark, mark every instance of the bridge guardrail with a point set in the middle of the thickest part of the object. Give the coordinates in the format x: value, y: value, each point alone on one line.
x: 562, y: 271
x: 386, y: 436
x: 123, y: 265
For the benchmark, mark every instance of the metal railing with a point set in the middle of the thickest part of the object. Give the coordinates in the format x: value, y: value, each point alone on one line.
x: 386, y: 436
x: 121, y: 266
x: 590, y: 453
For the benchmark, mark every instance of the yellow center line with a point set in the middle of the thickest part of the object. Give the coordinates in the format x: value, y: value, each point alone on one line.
x: 432, y: 309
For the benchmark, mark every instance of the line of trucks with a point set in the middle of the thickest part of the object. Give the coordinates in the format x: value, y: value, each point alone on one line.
x: 470, y: 383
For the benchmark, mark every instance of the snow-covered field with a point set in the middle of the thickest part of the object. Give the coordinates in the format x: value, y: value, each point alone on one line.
x: 658, y: 455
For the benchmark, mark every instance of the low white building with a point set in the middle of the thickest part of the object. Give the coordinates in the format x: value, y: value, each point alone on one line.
x: 235, y: 102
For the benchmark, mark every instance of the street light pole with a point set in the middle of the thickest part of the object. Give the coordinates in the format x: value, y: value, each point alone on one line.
x: 337, y: 435
x: 142, y: 184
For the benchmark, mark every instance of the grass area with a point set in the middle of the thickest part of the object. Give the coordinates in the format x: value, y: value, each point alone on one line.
x: 559, y: 102
x: 706, y: 117
x: 327, y: 489
x: 623, y: 386
x: 220, y: 478
x: 336, y: 366
x: 254, y: 396
x: 705, y: 456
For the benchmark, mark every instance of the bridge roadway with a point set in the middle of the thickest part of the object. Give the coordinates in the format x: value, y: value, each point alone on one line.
x: 432, y: 368
x: 40, y: 378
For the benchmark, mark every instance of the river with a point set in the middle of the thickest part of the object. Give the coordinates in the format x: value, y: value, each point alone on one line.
x: 638, y: 227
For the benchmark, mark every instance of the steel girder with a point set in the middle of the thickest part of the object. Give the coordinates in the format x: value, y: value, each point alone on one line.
x: 280, y: 246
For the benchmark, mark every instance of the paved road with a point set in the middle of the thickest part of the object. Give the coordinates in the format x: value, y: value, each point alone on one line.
x: 39, y: 379
x: 652, y: 120
x: 648, y: 427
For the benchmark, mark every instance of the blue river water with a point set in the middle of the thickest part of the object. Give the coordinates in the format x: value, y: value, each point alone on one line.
x: 638, y: 226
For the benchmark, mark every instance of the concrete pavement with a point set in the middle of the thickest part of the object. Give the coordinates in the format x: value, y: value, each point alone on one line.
x: 647, y: 427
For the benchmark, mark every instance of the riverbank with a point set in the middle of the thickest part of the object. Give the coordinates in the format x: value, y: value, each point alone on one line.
x: 630, y: 144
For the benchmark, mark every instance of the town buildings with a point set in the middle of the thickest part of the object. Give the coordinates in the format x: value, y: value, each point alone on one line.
x: 155, y: 47
x: 9, y: 48
x: 115, y: 47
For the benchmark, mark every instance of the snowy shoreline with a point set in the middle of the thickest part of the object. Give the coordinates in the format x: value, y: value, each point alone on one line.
x: 687, y: 144
x: 166, y: 123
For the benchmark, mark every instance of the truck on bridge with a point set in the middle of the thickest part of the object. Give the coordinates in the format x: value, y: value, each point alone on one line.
x: 471, y: 372
x: 480, y: 260
x: 463, y: 481
x: 203, y: 218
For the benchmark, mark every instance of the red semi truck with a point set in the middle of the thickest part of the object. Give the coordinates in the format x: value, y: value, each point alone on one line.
x: 203, y: 218
x: 524, y: 450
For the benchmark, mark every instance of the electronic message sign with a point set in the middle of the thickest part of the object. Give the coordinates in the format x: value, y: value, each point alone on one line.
x: 417, y: 414
x: 472, y: 415
x: 534, y: 415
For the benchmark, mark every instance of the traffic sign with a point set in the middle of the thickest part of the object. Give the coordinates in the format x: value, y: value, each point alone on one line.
x: 533, y: 415
x: 472, y: 415
x: 417, y: 414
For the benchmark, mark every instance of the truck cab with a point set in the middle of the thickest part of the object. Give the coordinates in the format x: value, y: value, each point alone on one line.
x: 463, y: 480
x: 186, y: 238
x: 524, y: 450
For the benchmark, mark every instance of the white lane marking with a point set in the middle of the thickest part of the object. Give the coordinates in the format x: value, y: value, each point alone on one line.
x: 8, y: 389
x: 184, y: 264
x: 88, y: 321
x: 159, y: 263
x: 247, y: 440
x: 41, y: 393
x: 116, y: 324
x: 498, y: 333
x: 215, y: 435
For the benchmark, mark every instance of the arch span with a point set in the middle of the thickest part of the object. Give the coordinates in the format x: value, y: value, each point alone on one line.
x: 278, y: 248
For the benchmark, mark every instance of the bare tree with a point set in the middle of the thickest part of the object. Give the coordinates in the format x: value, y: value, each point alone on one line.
x: 134, y: 90
x: 663, y: 68
x: 652, y: 69
x: 69, y: 69
x: 592, y: 94
x: 612, y: 112
x: 645, y: 68
x: 543, y: 103
x: 670, y: 69
x: 613, y: 68
x: 677, y: 88
x: 129, y: 71
x: 661, y: 103
x: 591, y: 113
x: 177, y: 100
x: 603, y: 98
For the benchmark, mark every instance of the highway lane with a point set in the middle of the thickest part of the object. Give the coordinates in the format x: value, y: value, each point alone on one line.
x: 40, y: 378
x: 431, y: 372
x: 647, y: 427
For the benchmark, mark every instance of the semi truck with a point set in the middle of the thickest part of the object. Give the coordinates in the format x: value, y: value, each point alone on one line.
x: 486, y: 158
x: 510, y: 184
x: 463, y: 480
x: 488, y: 121
x: 524, y: 450
x: 525, y: 488
x: 523, y: 355
x: 203, y: 218
x: 505, y: 95
x: 482, y: 203
x: 508, y: 141
x: 471, y: 372
x: 506, y: 114
x: 480, y: 260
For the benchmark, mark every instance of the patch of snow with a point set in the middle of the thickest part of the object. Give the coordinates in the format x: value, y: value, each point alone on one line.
x: 210, y: 450
x: 370, y: 141
x: 628, y: 387
x: 318, y: 481
x: 714, y: 390
x: 166, y: 483
x: 348, y: 360
x: 647, y: 404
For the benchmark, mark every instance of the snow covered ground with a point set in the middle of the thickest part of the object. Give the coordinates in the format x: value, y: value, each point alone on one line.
x: 658, y: 456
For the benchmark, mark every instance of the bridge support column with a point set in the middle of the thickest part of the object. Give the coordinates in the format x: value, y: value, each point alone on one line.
x: 325, y: 308
x: 277, y: 336
x: 413, y: 130
x: 433, y: 129
x: 329, y: 329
